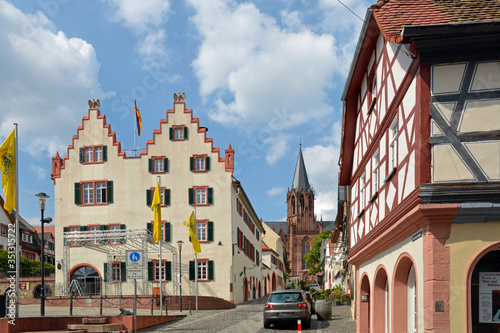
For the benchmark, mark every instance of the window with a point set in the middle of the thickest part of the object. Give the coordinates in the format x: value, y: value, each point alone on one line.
x: 113, y: 227
x: 95, y: 238
x: 393, y: 144
x: 205, y: 231
x: 375, y: 162
x: 306, y: 247
x: 157, y: 271
x: 93, y: 154
x: 178, y: 133
x: 31, y: 256
x: 199, y: 163
x: 94, y: 193
x: 411, y: 298
x: 154, y: 270
x: 165, y: 229
x: 158, y: 164
x: 201, y: 195
x: 362, y: 191
x: 27, y: 238
x: 115, y: 271
x: 204, y: 271
x: 3, y: 230
x: 164, y: 195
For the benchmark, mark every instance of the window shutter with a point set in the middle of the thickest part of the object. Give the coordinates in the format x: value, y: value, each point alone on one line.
x: 148, y: 197
x: 168, y: 271
x: 165, y: 164
x: 123, y: 270
x: 210, y: 231
x: 77, y: 194
x: 81, y: 156
x: 191, y: 196
x: 105, y: 273
x: 150, y: 165
x: 150, y: 271
x: 185, y: 133
x: 210, y: 269
x: 239, y: 238
x: 191, y: 163
x: 123, y: 227
x: 104, y: 153
x: 109, y: 192
x: 149, y: 227
x: 207, y: 163
x: 210, y: 195
x: 84, y: 228
x: 191, y: 270
x: 171, y: 133
x: 167, y: 196
x: 65, y: 229
x: 167, y: 237
x: 103, y: 227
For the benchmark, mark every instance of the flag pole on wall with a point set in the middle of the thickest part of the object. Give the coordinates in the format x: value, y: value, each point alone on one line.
x: 18, y: 249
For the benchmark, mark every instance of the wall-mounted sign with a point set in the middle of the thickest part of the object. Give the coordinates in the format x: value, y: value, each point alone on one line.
x: 365, y: 298
x: 489, y: 297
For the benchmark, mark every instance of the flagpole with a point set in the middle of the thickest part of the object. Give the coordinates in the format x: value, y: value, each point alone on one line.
x: 161, y: 262
x: 134, y: 118
x: 18, y: 258
x: 196, y: 265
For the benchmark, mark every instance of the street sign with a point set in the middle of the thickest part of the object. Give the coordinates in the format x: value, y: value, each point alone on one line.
x: 134, y: 258
x: 134, y: 273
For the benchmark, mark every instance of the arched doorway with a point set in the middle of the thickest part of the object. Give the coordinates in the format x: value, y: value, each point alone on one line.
x: 260, y: 294
x: 88, y: 280
x: 364, y: 305
x: 484, y: 316
x: 274, y: 282
x: 37, y: 292
x: 381, y: 301
x: 245, y: 289
x: 404, y: 296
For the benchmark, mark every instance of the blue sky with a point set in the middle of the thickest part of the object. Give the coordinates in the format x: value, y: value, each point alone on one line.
x: 261, y: 75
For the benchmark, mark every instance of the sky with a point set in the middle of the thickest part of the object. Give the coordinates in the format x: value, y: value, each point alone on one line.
x: 264, y: 76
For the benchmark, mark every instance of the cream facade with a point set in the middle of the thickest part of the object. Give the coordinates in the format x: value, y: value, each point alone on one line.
x: 100, y: 191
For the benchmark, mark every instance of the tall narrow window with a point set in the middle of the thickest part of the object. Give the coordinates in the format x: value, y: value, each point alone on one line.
x: 157, y: 271
x: 393, y: 144
x: 88, y: 193
x: 89, y: 154
x: 158, y: 167
x: 375, y: 162
x: 94, y: 229
x: 362, y: 183
x: 306, y: 247
x: 100, y: 192
x: 202, y: 270
x: 201, y: 196
x: 201, y: 231
x: 115, y: 271
x: 98, y: 154
x: 179, y: 134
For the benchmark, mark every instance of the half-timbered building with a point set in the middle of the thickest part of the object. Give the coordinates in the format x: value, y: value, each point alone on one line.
x: 421, y: 155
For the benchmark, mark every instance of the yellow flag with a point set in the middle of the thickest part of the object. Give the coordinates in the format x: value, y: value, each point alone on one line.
x: 8, y: 167
x: 192, y: 233
x: 156, y: 208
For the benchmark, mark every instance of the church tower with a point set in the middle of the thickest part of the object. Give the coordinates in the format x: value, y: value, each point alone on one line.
x: 302, y: 225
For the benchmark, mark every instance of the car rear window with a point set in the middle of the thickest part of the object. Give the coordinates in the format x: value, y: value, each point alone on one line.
x: 285, y: 298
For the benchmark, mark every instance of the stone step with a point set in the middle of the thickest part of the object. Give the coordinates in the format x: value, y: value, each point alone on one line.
x: 59, y: 331
x: 94, y: 320
x: 97, y: 328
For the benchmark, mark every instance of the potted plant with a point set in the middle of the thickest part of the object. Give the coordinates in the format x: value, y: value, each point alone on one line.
x: 337, y: 296
x: 346, y: 299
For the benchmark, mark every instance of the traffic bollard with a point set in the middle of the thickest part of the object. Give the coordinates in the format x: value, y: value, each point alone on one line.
x: 71, y: 304
x: 189, y: 307
x: 299, y: 325
x: 152, y: 300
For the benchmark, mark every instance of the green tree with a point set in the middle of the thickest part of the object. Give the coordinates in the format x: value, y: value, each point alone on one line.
x: 28, y: 267
x: 313, y: 258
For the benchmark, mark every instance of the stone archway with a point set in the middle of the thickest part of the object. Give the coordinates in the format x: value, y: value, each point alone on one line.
x: 364, y: 304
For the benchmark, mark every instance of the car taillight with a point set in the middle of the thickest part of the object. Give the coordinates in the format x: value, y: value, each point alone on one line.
x: 302, y: 305
x: 268, y: 306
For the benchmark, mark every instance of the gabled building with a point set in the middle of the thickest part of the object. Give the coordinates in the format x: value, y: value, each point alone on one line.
x: 420, y: 153
x: 274, y: 258
x: 104, y: 210
x: 48, y: 239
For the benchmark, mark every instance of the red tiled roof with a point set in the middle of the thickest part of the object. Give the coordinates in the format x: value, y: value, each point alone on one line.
x: 393, y: 15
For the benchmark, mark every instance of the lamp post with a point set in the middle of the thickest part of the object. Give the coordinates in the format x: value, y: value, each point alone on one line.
x: 179, y: 243
x: 42, y: 197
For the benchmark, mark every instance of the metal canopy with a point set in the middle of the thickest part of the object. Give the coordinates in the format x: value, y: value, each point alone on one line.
x: 115, y: 243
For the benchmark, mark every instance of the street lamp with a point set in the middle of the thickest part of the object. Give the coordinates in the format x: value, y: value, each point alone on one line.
x: 179, y: 243
x: 42, y: 197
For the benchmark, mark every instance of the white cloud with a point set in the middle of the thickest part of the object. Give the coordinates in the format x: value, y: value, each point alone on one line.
x: 274, y: 191
x: 46, y: 81
x: 253, y: 67
x: 325, y: 205
x: 144, y: 18
x: 40, y: 172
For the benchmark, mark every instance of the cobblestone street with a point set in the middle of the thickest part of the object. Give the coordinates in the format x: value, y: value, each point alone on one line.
x: 247, y: 318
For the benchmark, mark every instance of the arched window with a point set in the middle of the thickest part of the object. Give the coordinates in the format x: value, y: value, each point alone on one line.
x: 411, y: 298
x: 301, y: 203
x: 306, y: 247
x: 293, y: 205
x: 88, y: 280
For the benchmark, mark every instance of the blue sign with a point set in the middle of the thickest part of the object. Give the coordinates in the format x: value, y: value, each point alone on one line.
x: 135, y: 257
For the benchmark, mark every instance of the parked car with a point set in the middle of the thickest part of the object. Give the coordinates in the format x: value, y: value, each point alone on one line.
x: 315, y: 287
x: 311, y: 301
x: 287, y: 305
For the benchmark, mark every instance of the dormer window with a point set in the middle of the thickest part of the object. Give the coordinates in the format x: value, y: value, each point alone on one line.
x: 27, y: 238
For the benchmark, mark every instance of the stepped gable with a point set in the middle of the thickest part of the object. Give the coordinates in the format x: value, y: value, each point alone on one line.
x: 393, y: 15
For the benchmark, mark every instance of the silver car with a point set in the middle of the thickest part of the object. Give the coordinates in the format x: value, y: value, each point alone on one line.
x: 287, y: 305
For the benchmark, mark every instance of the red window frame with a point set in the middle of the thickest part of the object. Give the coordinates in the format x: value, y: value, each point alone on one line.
x: 205, y: 222
x: 157, y: 158
x: 176, y: 127
x: 199, y: 157
x: 93, y: 154
x: 94, y: 195
x: 195, y: 188
x: 90, y: 226
x: 69, y: 230
x: 205, y: 261
x: 162, y: 195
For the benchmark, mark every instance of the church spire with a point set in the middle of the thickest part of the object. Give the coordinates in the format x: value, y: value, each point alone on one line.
x: 300, y: 177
